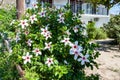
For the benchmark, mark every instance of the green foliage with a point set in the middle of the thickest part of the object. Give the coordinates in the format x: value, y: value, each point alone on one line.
x: 59, y: 62
x: 91, y: 31
x: 6, y: 16
x: 95, y: 33
x: 100, y: 34
x: 7, y: 68
x: 113, y: 28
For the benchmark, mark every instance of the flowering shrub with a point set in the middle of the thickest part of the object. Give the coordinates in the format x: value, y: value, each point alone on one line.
x: 49, y: 44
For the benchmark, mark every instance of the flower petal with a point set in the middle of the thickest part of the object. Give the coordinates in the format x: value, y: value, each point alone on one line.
x: 82, y: 62
x: 80, y: 59
x: 75, y: 57
x: 87, y: 55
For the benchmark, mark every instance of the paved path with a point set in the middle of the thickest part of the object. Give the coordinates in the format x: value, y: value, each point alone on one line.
x: 108, y: 61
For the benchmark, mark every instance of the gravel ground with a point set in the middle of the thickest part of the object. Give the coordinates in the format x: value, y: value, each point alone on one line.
x: 108, y: 61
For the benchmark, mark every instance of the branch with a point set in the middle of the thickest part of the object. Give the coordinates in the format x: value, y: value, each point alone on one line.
x: 20, y: 71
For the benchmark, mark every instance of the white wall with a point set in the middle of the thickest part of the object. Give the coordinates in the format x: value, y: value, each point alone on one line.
x: 99, y: 23
x: 102, y: 21
x: 59, y: 3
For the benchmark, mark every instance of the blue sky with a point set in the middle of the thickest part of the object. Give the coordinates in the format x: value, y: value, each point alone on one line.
x: 115, y: 9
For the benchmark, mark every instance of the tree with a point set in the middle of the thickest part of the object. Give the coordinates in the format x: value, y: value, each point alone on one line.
x: 113, y: 28
x: 107, y: 3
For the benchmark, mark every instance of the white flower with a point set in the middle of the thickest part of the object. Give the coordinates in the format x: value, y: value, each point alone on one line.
x: 29, y: 42
x: 61, y: 20
x: 34, y: 5
x: 23, y: 23
x: 37, y: 51
x: 75, y: 52
x: 33, y: 18
x: 68, y: 33
x: 48, y: 45
x: 46, y: 33
x: 76, y: 46
x: 49, y: 61
x: 26, y: 32
x: 84, y: 59
x: 76, y: 28
x: 27, y: 58
x: 66, y: 41
x: 42, y: 13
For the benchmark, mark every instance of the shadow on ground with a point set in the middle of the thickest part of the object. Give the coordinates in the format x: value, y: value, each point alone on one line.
x: 93, y: 77
x: 107, y: 45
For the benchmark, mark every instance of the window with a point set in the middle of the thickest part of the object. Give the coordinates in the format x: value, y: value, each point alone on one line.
x: 48, y: 1
x: 76, y: 5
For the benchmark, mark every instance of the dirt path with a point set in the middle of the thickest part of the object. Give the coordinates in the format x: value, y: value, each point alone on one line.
x: 109, y: 63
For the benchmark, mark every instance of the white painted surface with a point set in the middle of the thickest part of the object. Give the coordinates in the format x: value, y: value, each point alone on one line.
x: 59, y: 3
x: 102, y: 19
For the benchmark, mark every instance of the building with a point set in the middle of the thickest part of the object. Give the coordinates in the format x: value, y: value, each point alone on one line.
x: 100, y: 15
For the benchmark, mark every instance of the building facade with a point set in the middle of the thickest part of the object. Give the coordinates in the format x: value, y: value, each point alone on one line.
x: 99, y: 16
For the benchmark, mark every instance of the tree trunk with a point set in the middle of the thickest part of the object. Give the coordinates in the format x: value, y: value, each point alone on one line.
x: 20, y: 6
x: 108, y: 6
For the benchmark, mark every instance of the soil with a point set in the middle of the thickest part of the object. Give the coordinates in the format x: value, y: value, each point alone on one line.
x: 108, y: 61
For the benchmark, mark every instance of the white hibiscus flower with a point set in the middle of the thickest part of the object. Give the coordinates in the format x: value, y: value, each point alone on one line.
x: 42, y: 13
x: 75, y: 52
x: 23, y: 23
x: 61, y: 20
x: 83, y: 59
x: 46, y: 33
x: 76, y: 28
x: 37, y: 51
x: 34, y: 5
x: 49, y: 61
x: 76, y: 46
x: 66, y: 41
x: 48, y: 45
x: 33, y: 18
x: 27, y: 58
x: 29, y: 42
